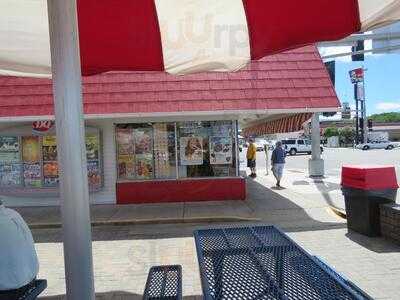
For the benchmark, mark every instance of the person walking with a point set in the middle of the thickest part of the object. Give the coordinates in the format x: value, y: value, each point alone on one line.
x: 251, y: 158
x: 278, y: 162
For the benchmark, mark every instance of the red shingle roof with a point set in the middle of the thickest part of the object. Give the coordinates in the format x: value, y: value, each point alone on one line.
x: 290, y: 80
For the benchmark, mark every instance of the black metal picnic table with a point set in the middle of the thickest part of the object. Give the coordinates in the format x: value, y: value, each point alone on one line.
x: 262, y: 262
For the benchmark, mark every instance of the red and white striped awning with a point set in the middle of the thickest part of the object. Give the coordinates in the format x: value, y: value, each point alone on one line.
x: 181, y: 36
x: 291, y: 123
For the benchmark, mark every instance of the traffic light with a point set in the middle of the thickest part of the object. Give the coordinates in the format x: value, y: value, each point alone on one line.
x: 358, y: 47
x: 369, y: 124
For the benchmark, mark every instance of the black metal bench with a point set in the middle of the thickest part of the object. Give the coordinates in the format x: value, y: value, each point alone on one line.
x: 32, y: 293
x: 164, y: 282
x: 341, y: 278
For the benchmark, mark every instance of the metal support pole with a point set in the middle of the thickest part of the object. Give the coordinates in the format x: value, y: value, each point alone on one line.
x: 364, y: 114
x: 316, y: 164
x: 266, y: 158
x: 74, y: 192
x: 357, y: 115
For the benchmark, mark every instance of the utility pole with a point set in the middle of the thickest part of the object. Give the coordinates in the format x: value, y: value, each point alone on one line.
x: 357, y: 79
x: 357, y: 116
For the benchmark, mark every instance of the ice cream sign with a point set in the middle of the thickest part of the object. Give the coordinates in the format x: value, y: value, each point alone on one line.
x: 41, y: 127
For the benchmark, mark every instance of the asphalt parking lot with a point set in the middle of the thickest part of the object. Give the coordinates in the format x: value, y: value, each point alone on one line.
x: 335, y: 158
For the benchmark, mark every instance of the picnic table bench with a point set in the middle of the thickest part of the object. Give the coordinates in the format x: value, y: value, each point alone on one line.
x: 261, y: 262
x: 36, y: 288
x: 164, y: 282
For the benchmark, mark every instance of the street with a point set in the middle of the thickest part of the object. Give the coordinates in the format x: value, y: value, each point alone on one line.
x: 334, y: 159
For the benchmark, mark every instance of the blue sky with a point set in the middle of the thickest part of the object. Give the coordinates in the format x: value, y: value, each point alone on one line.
x: 382, y: 82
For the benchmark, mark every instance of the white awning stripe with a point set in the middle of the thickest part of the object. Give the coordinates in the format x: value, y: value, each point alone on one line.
x: 197, y: 35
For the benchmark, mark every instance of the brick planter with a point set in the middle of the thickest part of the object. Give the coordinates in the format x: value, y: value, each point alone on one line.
x: 390, y: 221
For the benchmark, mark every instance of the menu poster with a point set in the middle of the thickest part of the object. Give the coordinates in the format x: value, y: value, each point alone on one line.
x: 10, y: 175
x: 9, y: 144
x: 49, y: 140
x: 50, y: 169
x: 126, y: 167
x: 125, y: 141
x: 191, y: 151
x: 220, y: 150
x: 51, y: 181
x: 221, y: 171
x: 49, y: 148
x: 161, y: 151
x: 221, y: 129
x: 94, y: 176
x: 30, y: 149
x: 9, y: 157
x: 143, y: 141
x: 92, y: 146
x: 144, y: 166
x: 32, y: 175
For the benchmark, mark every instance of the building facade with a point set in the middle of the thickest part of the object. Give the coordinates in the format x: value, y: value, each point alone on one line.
x: 153, y: 137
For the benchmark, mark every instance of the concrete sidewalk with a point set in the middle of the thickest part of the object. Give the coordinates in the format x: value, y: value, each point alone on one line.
x: 123, y: 254
x: 325, y: 190
x: 225, y: 211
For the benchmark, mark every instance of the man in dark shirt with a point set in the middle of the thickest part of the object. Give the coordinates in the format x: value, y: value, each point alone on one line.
x: 278, y: 162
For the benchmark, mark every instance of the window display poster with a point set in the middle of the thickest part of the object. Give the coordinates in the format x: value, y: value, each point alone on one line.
x: 9, y: 144
x: 51, y: 181
x: 220, y: 150
x: 30, y: 149
x: 143, y: 141
x: 50, y: 169
x: 144, y: 166
x: 32, y: 175
x: 125, y: 141
x: 92, y: 146
x: 49, y: 148
x: 49, y: 140
x: 7, y: 157
x: 191, y: 151
x: 94, y: 176
x: 126, y: 167
x: 10, y: 175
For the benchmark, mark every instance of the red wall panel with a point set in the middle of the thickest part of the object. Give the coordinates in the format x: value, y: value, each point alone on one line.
x: 181, y: 191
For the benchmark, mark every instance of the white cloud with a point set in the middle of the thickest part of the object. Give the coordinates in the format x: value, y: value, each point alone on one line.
x: 386, y: 106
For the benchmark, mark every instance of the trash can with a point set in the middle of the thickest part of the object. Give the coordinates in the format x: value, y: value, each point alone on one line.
x: 364, y: 189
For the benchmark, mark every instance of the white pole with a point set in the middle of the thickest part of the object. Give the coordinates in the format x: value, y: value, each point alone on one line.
x: 315, y: 137
x: 74, y: 192
x: 316, y: 164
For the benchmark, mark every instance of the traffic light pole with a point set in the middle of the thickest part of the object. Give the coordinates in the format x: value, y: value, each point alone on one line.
x: 364, y: 112
x: 357, y: 115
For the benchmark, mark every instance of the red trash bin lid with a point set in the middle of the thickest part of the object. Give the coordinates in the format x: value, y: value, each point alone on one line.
x: 369, y: 177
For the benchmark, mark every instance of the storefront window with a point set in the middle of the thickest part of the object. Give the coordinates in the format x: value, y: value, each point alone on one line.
x: 146, y: 151
x: 31, y: 161
x: 206, y: 149
x: 149, y: 151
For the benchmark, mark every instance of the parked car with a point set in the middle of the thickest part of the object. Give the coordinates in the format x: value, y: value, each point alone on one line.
x: 294, y: 146
x: 260, y: 144
x: 388, y: 145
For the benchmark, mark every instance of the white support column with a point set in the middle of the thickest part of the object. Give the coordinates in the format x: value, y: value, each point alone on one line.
x: 316, y: 164
x: 74, y: 192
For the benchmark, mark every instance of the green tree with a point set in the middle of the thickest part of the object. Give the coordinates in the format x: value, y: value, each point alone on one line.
x: 386, y: 117
x: 331, y: 131
x: 347, y: 135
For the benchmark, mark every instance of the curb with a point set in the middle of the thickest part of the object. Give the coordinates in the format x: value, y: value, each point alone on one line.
x: 152, y: 221
x: 338, y: 212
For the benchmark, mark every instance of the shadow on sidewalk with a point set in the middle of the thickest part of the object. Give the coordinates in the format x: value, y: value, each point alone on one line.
x: 375, y: 244
x: 270, y: 207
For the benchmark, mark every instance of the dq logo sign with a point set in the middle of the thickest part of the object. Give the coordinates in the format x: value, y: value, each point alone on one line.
x: 42, y: 126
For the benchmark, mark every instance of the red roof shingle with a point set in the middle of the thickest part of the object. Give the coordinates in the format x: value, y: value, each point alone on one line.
x: 289, y: 80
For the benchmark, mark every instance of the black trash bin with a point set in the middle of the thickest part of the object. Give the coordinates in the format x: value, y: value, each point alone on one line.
x: 365, y: 189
